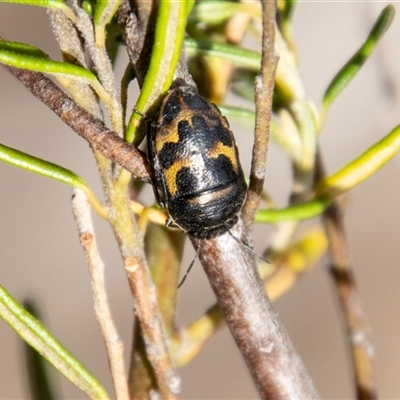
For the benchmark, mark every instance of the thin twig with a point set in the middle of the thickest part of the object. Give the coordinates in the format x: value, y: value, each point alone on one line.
x: 264, y: 90
x: 144, y: 293
x: 112, y: 341
x: 358, y: 330
x: 165, y: 247
x: 70, y: 43
x: 89, y: 128
x: 152, y: 329
x: 103, y: 66
x: 274, y: 364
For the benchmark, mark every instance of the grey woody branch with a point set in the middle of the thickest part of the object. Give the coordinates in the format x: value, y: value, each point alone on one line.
x: 94, y: 131
x: 273, y: 362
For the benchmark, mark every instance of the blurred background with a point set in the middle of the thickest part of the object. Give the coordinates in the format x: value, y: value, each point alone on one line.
x: 41, y: 258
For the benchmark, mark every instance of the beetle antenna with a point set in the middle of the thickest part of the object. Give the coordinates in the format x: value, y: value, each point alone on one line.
x: 191, y: 265
x: 136, y: 111
x: 247, y: 247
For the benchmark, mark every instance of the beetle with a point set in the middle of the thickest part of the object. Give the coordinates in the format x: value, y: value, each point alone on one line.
x: 197, y: 173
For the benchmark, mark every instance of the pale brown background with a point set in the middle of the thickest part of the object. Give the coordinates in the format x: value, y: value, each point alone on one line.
x: 40, y: 255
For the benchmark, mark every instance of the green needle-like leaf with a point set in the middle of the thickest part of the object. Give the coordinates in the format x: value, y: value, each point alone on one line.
x: 362, y: 167
x: 298, y: 212
x: 347, y: 73
x: 54, y: 4
x: 38, y: 3
x: 89, y: 6
x: 45, y: 168
x: 217, y: 12
x: 104, y: 11
x: 242, y: 58
x: 35, y: 334
x: 38, y: 166
x: 25, y: 56
x: 169, y: 34
x: 238, y: 113
x: 247, y: 118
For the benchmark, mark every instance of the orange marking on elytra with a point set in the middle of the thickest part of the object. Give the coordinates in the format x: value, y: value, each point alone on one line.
x: 227, y: 151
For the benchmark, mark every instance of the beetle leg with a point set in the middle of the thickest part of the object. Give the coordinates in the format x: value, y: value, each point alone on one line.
x: 170, y: 223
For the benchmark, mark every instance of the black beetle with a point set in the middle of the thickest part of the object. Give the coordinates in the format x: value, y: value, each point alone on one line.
x: 197, y: 172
